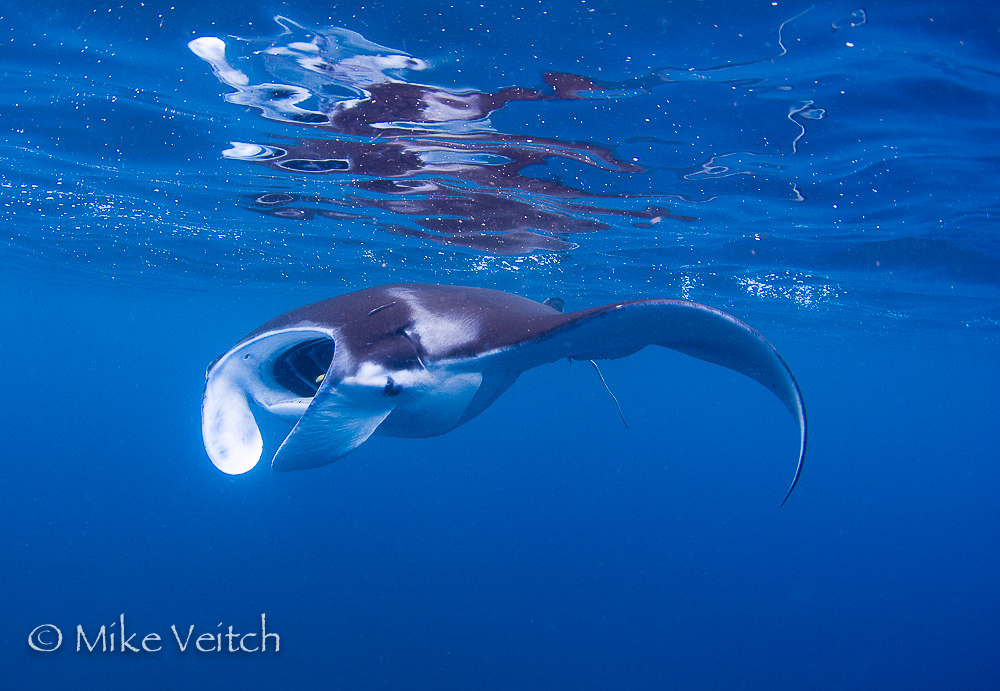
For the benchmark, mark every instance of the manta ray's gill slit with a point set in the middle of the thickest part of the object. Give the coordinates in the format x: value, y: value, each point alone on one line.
x: 301, y: 368
x: 415, y: 342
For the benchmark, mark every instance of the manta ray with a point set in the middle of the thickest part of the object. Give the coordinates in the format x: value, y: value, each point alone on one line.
x: 414, y: 360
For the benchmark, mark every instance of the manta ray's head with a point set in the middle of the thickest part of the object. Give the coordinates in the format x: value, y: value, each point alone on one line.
x: 279, y: 371
x: 334, y: 398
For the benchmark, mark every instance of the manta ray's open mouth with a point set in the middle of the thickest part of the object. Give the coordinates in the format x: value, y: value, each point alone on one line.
x: 301, y: 368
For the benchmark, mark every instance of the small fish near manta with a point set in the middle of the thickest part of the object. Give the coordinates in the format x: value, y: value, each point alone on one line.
x: 415, y: 360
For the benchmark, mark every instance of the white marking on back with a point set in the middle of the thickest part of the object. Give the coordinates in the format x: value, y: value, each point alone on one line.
x: 438, y: 333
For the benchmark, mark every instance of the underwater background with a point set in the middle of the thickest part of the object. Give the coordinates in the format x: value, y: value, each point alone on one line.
x: 825, y: 172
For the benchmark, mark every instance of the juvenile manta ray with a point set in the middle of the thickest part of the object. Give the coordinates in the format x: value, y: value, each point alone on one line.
x: 414, y: 360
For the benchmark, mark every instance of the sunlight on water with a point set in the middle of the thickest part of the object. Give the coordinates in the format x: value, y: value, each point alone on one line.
x: 773, y: 178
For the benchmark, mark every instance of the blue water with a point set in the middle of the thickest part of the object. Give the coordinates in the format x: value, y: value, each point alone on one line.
x: 825, y: 172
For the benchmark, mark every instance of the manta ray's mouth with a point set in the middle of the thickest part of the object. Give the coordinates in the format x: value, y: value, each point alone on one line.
x: 301, y: 368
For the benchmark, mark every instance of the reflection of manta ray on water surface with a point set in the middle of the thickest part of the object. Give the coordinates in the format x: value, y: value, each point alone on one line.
x: 412, y: 360
x: 419, y: 160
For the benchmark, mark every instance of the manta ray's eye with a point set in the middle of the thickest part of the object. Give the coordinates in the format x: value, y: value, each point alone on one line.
x: 302, y: 368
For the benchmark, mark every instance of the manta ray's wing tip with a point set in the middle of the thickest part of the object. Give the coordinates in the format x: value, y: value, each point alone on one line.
x: 803, y: 429
x: 795, y: 481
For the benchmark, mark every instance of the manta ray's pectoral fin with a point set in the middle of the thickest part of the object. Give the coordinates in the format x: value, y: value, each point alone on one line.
x: 618, y: 330
x: 334, y: 424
